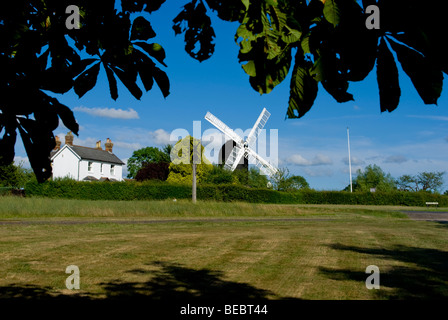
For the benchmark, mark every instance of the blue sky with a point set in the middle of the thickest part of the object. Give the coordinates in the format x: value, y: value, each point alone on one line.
x: 412, y: 139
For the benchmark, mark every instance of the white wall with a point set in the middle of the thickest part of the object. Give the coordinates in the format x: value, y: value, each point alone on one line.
x: 96, y: 170
x: 65, y: 165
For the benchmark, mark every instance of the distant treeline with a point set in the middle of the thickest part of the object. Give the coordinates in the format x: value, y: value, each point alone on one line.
x: 132, y: 190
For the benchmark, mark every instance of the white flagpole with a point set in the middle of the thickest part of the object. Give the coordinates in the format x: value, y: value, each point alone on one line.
x: 349, y: 160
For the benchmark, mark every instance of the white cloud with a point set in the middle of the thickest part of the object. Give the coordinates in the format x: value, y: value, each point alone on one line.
x: 297, y: 159
x: 438, y: 118
x: 127, y: 145
x: 318, y: 173
x: 109, y: 112
x: 318, y: 160
x: 354, y: 160
x: 160, y: 137
x: 396, y: 159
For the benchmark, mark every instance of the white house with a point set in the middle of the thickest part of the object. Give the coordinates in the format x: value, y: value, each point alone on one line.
x: 84, y: 163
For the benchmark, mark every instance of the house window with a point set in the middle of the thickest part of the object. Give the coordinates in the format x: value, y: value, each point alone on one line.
x: 112, y: 169
x: 89, y: 166
x: 101, y: 168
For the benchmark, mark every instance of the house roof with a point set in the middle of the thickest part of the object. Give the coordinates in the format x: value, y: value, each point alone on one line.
x: 87, y: 153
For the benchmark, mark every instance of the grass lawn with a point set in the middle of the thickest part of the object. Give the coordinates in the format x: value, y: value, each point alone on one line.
x: 165, y: 249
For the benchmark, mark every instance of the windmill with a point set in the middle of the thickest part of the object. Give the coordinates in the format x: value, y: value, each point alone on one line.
x: 244, y: 148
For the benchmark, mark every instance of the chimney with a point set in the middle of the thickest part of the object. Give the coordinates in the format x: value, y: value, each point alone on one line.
x: 108, y: 145
x: 69, y: 138
x: 58, y: 144
x: 98, y: 145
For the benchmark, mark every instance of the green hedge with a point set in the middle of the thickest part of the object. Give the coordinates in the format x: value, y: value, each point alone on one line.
x: 162, y: 190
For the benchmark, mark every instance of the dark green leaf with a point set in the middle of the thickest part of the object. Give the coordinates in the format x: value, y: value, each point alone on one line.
x: 155, y: 50
x: 197, y: 26
x: 56, y: 81
x: 162, y: 81
x: 8, y: 127
x: 142, y: 29
x: 87, y: 80
x: 331, y: 12
x: 128, y: 78
x: 268, y: 73
x: 46, y: 115
x: 426, y: 76
x: 229, y: 10
x: 82, y: 65
x: 38, y: 143
x: 303, y: 89
x: 387, y: 77
x: 338, y: 87
x: 66, y: 116
x: 326, y: 70
x: 137, y: 6
x: 60, y: 80
x: 112, y: 82
x: 250, y: 69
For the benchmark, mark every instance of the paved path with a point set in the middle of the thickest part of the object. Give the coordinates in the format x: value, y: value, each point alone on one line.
x: 428, y: 215
x: 73, y: 222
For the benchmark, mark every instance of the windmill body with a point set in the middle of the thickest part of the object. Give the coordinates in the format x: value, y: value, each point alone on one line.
x: 244, y: 148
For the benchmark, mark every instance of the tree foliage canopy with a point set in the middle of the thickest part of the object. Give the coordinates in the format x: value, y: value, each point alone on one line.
x: 13, y: 175
x: 141, y: 157
x: 153, y: 171
x: 328, y: 42
x: 284, y: 181
x: 373, y: 177
x: 184, y: 154
x: 426, y: 181
x: 39, y: 55
x: 318, y: 41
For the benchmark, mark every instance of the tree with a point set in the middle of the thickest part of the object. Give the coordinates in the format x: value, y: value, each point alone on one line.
x: 297, y: 182
x: 431, y: 181
x: 330, y: 42
x: 42, y: 53
x: 144, y: 156
x: 321, y: 41
x: 284, y: 181
x: 426, y: 181
x: 218, y: 175
x: 407, y: 183
x: 373, y: 177
x: 256, y: 179
x: 184, y: 154
x: 153, y: 171
x: 14, y: 175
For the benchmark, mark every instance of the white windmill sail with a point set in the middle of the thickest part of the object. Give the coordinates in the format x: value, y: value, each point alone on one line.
x: 224, y: 128
x: 259, y: 125
x: 234, y: 158
x: 262, y: 164
x: 242, y: 147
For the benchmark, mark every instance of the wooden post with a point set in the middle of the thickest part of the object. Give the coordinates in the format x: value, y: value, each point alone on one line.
x: 193, y: 191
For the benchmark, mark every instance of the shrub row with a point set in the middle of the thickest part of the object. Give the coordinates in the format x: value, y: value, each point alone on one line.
x: 162, y: 190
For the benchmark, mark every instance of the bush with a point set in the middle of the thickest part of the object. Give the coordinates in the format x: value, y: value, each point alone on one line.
x: 157, y: 190
x: 153, y: 171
